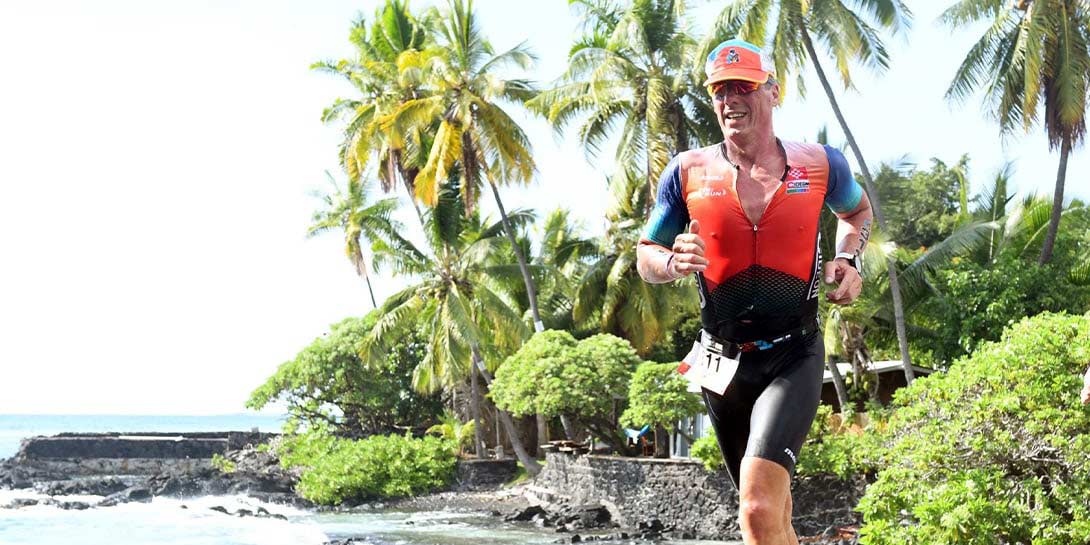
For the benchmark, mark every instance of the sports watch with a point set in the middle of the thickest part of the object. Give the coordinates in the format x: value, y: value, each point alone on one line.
x: 852, y: 260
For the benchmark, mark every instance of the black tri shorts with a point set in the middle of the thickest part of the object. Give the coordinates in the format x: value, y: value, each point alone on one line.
x: 768, y: 407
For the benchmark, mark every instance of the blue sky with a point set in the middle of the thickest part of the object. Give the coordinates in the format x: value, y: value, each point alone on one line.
x: 158, y: 158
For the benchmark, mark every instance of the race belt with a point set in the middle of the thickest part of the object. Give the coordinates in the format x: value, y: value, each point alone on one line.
x: 732, y: 348
x: 712, y: 362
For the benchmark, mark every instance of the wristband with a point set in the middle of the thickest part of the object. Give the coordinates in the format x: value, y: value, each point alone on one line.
x: 666, y: 269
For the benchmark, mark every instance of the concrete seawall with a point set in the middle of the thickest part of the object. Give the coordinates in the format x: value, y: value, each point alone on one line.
x: 85, y: 454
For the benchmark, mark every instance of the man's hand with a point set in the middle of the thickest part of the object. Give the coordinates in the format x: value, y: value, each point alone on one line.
x: 688, y: 253
x: 1086, y: 388
x: 847, y: 279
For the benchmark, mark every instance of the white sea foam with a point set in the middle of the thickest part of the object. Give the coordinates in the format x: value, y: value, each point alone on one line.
x: 163, y: 520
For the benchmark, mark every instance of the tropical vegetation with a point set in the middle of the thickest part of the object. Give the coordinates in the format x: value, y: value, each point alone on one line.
x: 336, y: 469
x: 529, y: 316
x: 993, y: 450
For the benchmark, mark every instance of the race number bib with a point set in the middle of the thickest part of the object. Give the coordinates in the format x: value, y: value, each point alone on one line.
x: 706, y: 366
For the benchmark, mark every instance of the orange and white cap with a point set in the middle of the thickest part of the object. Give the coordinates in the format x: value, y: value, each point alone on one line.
x: 737, y: 59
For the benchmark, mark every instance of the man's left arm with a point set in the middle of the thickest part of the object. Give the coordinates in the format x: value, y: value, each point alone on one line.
x: 852, y: 233
x: 850, y: 204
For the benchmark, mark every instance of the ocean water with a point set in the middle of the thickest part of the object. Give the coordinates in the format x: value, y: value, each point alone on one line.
x: 191, y: 522
x: 15, y: 427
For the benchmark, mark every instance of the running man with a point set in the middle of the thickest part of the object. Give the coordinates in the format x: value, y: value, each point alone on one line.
x: 743, y: 215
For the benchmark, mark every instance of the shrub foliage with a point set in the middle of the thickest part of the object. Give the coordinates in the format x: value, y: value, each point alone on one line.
x: 658, y: 396
x: 328, y: 384
x: 995, y: 450
x: 706, y: 449
x: 336, y: 469
x: 553, y: 374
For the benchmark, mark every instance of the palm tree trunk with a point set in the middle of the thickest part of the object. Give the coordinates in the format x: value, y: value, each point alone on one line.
x: 408, y: 178
x: 838, y: 382
x: 662, y: 442
x: 894, y: 285
x: 569, y: 428
x: 361, y: 269
x: 542, y: 433
x: 1057, y: 204
x: 531, y: 465
x: 531, y: 293
x: 370, y: 291
x: 475, y: 404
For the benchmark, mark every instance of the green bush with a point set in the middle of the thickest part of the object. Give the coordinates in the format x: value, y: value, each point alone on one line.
x: 223, y: 464
x: 658, y: 396
x: 843, y: 449
x: 337, y: 469
x: 706, y: 449
x: 995, y: 450
x: 328, y: 382
x: 553, y: 374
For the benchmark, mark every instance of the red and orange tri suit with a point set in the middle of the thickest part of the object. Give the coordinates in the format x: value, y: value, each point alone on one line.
x: 762, y: 279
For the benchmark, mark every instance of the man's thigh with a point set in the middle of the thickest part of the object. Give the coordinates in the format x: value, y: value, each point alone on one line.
x: 782, y: 414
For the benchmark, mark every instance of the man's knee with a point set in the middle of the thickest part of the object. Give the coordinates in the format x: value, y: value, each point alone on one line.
x: 761, y: 517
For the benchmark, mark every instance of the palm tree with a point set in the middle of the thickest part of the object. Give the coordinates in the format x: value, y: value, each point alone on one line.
x: 474, y: 135
x: 458, y: 432
x: 612, y: 293
x: 848, y: 37
x: 387, y: 72
x: 469, y: 321
x: 633, y: 67
x: 349, y: 210
x: 1032, y: 50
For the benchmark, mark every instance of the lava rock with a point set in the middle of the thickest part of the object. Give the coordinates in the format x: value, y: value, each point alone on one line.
x: 131, y: 494
x: 526, y: 514
x: 95, y: 487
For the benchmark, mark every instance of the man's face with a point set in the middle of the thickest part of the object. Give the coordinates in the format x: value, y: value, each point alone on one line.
x: 742, y: 112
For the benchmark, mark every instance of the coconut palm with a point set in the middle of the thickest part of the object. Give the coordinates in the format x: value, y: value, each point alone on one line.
x: 387, y: 71
x: 557, y: 264
x: 474, y: 135
x: 848, y: 37
x: 350, y: 210
x: 1033, y: 50
x: 611, y: 292
x: 632, y: 68
x: 455, y: 300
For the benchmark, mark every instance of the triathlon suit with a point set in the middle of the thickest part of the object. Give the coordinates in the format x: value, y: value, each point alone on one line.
x: 759, y: 292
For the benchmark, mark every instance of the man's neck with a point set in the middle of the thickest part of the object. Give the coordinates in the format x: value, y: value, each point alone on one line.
x: 763, y: 152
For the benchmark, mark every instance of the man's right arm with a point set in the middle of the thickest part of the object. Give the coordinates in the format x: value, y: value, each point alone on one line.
x: 665, y: 252
x: 653, y: 262
x: 658, y: 264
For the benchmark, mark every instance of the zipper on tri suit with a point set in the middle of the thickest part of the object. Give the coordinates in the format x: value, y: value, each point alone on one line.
x: 755, y: 244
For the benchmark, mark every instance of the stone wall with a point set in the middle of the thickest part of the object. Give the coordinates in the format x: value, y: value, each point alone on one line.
x: 680, y: 493
x: 483, y: 474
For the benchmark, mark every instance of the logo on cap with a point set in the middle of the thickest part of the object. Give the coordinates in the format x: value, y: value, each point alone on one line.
x: 732, y: 56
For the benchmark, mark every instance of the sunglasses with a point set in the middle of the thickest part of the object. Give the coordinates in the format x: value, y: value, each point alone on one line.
x: 721, y: 89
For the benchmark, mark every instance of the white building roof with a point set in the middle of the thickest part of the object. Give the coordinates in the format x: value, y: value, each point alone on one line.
x: 879, y: 367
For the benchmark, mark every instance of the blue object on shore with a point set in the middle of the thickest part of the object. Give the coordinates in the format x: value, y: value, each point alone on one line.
x: 636, y: 434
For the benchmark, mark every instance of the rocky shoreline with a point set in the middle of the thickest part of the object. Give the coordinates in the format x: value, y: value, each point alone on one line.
x: 257, y: 474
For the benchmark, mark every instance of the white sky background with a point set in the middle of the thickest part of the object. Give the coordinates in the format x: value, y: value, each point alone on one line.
x: 156, y: 159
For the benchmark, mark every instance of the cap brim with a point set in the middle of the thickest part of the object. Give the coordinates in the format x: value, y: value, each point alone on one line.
x: 756, y: 76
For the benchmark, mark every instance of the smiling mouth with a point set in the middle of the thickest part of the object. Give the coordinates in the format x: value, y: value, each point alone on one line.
x: 734, y: 115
